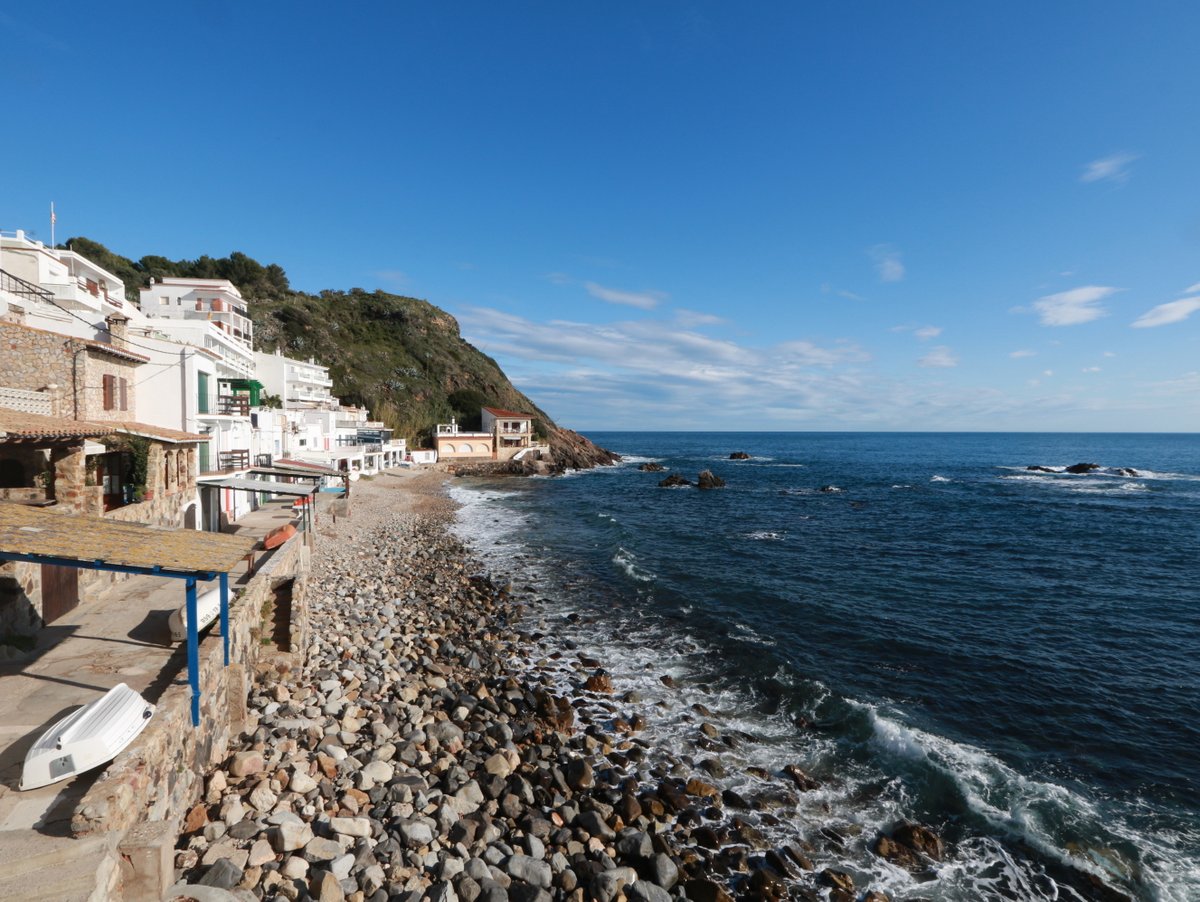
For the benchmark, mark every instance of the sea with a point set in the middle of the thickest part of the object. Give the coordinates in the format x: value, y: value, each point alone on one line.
x: 922, y: 623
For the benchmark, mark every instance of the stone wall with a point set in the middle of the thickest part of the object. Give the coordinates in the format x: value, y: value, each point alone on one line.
x: 161, y: 775
x: 35, y: 359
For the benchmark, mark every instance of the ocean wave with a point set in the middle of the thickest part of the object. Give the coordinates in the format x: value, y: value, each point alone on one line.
x: 936, y: 478
x: 1059, y: 823
x: 627, y: 561
x: 763, y: 535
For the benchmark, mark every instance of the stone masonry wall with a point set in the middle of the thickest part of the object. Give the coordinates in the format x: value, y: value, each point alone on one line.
x: 161, y: 775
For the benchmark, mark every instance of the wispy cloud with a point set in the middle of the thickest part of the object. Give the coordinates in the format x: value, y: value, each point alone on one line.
x: 690, y: 319
x: 643, y: 300
x: 887, y: 263
x: 941, y: 356
x: 1022, y: 353
x: 393, y: 278
x: 1164, y: 314
x: 1193, y: 289
x: 1070, y: 308
x: 558, y: 278
x: 1113, y: 168
x: 927, y: 332
x: 1091, y: 369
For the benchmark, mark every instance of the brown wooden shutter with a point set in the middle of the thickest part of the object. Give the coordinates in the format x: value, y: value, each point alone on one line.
x: 110, y: 383
x: 124, y: 394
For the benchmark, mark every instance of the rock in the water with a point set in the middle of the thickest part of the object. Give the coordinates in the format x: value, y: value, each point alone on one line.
x: 706, y: 480
x: 739, y: 455
x: 1082, y: 468
x: 921, y: 839
x: 599, y: 682
x: 673, y: 481
x: 651, y: 467
x: 1038, y: 468
x: 839, y: 880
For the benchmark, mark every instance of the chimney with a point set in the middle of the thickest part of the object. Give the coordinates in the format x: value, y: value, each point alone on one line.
x: 118, y: 331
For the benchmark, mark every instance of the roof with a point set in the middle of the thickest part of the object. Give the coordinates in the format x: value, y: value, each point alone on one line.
x: 284, y: 471
x: 112, y: 350
x: 16, y: 425
x: 285, y: 463
x: 159, y: 433
x: 45, y: 532
x: 262, y: 485
x: 510, y: 414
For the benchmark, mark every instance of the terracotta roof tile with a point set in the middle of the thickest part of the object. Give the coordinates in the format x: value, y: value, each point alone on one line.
x: 16, y: 425
x: 511, y: 414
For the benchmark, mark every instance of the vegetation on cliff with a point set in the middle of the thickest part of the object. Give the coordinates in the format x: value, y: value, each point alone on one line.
x: 402, y: 357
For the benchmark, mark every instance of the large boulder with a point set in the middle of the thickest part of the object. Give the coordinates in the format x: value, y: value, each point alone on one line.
x: 1038, y: 468
x: 651, y: 467
x: 920, y: 838
x: 672, y: 481
x: 706, y: 480
x: 1082, y: 468
x: 739, y: 455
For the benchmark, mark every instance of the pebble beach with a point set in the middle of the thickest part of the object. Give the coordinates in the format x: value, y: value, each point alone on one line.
x: 440, y: 745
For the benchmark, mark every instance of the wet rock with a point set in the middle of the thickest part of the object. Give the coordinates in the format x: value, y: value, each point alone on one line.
x: 599, y: 682
x: 651, y: 467
x: 707, y: 480
x: 739, y: 455
x: 673, y: 481
x: 1081, y: 468
x: 1037, y: 468
x: 703, y: 890
x: 840, y: 881
x: 921, y: 839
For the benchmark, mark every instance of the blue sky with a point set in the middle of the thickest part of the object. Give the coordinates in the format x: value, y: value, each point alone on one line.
x: 671, y: 215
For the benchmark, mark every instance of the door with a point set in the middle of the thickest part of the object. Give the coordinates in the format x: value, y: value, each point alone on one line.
x: 60, y: 591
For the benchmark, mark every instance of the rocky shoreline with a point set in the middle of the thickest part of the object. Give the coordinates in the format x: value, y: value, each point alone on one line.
x: 426, y: 753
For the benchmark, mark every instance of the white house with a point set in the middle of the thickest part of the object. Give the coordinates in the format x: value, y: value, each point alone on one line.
x: 299, y: 383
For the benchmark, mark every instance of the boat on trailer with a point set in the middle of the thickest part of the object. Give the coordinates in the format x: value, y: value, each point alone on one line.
x: 86, y: 738
x: 208, y: 606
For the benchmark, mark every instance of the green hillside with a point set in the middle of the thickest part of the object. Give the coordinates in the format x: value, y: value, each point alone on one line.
x: 401, y: 357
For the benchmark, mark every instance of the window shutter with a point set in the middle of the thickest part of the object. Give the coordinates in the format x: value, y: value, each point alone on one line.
x: 124, y: 394
x: 109, y: 384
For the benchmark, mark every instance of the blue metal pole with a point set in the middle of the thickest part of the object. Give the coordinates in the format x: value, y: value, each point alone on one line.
x: 225, y: 614
x: 193, y: 651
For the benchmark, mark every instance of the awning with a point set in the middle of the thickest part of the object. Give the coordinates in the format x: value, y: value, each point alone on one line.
x: 305, y: 467
x: 263, y: 485
x: 141, y: 548
x: 281, y: 471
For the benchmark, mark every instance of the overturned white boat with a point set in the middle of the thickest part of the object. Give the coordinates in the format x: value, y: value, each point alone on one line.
x: 208, y: 606
x: 86, y: 738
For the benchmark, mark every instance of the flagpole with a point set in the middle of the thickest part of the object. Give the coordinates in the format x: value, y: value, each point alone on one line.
x: 52, y: 218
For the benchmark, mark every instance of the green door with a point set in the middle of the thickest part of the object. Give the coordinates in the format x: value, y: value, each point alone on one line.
x: 202, y: 400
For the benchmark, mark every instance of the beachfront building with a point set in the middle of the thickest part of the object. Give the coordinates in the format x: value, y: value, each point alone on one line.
x: 58, y: 284
x: 299, y: 384
x: 511, y: 432
x: 452, y: 443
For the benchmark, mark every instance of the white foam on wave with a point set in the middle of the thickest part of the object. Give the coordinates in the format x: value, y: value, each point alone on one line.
x: 902, y: 486
x: 1020, y: 806
x: 936, y: 478
x: 627, y: 561
x: 763, y: 535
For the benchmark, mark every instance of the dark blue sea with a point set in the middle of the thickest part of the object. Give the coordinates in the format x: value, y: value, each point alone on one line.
x: 929, y: 628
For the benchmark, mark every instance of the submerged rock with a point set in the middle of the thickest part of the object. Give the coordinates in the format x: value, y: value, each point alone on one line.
x: 672, y: 481
x: 1082, y: 468
x: 651, y: 467
x: 706, y: 480
x: 739, y: 455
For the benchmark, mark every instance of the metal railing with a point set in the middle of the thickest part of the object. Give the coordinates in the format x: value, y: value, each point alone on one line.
x: 17, y: 286
x: 234, y: 460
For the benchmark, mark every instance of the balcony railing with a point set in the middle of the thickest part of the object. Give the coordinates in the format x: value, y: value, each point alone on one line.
x: 228, y: 461
x: 263, y: 460
x: 233, y: 406
x: 22, y: 289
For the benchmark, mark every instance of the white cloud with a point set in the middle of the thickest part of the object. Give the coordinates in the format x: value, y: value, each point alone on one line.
x: 1171, y: 312
x: 393, y: 278
x: 1047, y: 372
x: 1109, y: 354
x: 1021, y: 353
x: 1091, y: 369
x: 1113, y: 168
x: 927, y: 332
x: 887, y: 263
x: 643, y: 300
x: 941, y: 356
x: 558, y: 278
x: 690, y: 319
x: 1070, y: 308
x: 1194, y: 289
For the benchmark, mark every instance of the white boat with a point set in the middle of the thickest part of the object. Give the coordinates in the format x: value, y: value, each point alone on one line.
x: 208, y: 606
x: 86, y: 738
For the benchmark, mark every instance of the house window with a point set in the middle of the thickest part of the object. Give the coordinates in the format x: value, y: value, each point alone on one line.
x: 109, y: 383
x: 124, y: 383
x: 164, y: 300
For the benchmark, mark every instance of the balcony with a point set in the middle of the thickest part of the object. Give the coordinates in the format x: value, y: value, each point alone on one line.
x: 228, y: 461
x: 20, y: 288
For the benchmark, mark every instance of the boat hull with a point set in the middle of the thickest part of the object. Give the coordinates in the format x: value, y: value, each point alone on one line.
x: 208, y: 606
x: 86, y: 738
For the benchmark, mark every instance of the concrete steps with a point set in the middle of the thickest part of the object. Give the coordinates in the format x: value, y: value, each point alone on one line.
x: 35, y: 867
